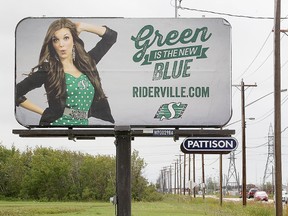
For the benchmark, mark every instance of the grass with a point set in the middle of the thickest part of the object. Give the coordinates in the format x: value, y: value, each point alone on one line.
x: 170, y: 206
x: 181, y: 206
x: 20, y: 208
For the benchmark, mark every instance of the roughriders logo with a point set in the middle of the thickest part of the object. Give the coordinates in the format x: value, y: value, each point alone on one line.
x: 170, y: 111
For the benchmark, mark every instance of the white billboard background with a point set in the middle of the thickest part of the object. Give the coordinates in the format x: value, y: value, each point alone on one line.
x: 119, y: 73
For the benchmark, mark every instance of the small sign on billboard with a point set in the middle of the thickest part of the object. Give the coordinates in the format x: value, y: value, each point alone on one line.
x: 102, y: 72
x: 209, y: 145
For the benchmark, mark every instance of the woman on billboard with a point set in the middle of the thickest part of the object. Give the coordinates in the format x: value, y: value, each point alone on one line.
x: 69, y: 75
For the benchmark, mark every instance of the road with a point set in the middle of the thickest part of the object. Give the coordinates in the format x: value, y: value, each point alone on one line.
x: 238, y: 199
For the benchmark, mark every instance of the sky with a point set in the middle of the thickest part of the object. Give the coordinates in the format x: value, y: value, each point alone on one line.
x: 252, y: 61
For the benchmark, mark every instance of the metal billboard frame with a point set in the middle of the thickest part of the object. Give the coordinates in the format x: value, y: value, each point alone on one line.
x: 123, y: 137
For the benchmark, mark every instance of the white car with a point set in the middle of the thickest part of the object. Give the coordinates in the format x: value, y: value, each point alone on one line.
x: 284, y: 197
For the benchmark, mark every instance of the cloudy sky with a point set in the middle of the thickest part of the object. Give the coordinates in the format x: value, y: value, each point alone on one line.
x: 252, y: 61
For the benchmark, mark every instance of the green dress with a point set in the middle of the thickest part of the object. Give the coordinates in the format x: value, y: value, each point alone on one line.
x: 80, y: 94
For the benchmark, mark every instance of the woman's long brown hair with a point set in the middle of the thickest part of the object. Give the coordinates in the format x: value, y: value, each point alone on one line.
x: 83, y: 61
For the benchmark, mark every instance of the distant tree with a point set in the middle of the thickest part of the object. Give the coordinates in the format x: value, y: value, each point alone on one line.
x: 11, y: 171
x: 96, y: 174
x: 48, y: 176
x: 211, y: 185
x: 138, y: 182
x: 268, y: 187
x: 75, y: 160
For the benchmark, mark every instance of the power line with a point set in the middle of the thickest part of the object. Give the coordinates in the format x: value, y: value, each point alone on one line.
x: 227, y: 14
x: 265, y: 60
x: 213, y: 162
x: 256, y: 55
x: 238, y: 16
x: 253, y: 147
x: 268, y: 113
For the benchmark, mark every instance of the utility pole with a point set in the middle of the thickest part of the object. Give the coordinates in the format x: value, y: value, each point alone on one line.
x: 203, y: 177
x: 194, y: 176
x: 175, y: 179
x: 220, y: 180
x: 170, y: 183
x: 189, y: 172
x: 277, y: 109
x: 163, y: 180
x: 184, y: 180
x: 176, y: 9
x: 242, y: 88
x: 177, y: 176
x: 180, y: 175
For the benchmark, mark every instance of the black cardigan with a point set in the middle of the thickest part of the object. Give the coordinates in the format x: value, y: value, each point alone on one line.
x: 99, y: 108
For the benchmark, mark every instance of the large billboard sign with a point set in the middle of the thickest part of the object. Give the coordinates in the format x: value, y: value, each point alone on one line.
x: 102, y: 72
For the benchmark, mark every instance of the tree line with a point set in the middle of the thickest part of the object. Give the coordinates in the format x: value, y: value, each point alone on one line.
x: 60, y: 175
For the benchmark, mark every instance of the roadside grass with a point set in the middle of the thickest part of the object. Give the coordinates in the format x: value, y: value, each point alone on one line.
x: 30, y: 208
x: 181, y: 205
x: 170, y: 206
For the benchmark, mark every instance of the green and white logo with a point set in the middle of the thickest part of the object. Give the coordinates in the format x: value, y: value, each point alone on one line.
x: 170, y: 111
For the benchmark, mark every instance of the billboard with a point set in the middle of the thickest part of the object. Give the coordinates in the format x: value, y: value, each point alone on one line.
x: 142, y: 72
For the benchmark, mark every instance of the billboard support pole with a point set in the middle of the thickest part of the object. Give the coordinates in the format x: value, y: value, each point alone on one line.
x: 123, y: 170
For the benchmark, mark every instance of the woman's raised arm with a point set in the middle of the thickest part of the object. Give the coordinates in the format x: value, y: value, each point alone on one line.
x: 99, y: 30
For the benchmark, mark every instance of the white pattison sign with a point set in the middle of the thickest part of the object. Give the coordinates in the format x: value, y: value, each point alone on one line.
x: 160, y: 72
x: 209, y: 145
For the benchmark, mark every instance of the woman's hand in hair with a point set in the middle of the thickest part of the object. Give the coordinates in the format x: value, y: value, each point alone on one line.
x: 99, y: 30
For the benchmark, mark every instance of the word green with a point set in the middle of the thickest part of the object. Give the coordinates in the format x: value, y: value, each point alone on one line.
x: 146, y: 37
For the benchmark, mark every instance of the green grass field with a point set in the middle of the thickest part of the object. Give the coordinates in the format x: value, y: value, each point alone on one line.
x: 170, y: 206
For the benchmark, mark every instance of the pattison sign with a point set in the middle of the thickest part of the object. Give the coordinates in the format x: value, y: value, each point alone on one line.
x: 209, y: 145
x: 160, y: 72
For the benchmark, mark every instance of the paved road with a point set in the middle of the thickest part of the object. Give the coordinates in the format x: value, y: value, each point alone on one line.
x: 239, y: 199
